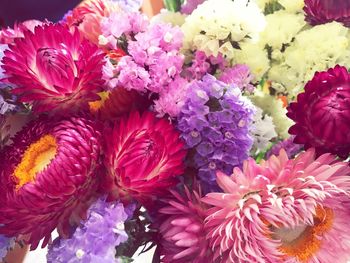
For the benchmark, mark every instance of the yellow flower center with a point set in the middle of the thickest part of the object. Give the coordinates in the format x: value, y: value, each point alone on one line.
x: 35, y: 159
x: 96, y: 105
x: 303, y: 241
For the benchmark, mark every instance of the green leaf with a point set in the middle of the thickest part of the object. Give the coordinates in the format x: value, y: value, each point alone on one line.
x: 173, y: 5
x: 272, y: 7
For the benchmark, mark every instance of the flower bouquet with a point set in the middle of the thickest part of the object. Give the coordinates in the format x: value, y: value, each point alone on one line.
x: 217, y: 131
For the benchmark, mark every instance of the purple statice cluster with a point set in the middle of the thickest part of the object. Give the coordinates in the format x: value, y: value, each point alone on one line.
x: 288, y: 145
x: 203, y: 64
x: 95, y: 239
x: 6, y: 244
x: 215, y: 124
x: 154, y: 60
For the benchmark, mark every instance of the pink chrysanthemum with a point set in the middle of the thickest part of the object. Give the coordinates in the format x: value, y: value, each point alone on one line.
x: 47, y: 177
x: 54, y: 69
x: 282, y: 211
x: 143, y: 156
x: 325, y: 11
x: 322, y: 113
x: 182, y: 234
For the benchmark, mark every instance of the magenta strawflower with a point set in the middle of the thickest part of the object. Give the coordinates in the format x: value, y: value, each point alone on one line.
x: 54, y: 69
x: 144, y: 155
x: 322, y: 113
x: 325, y: 11
x: 182, y: 234
x: 282, y: 211
x: 48, y: 175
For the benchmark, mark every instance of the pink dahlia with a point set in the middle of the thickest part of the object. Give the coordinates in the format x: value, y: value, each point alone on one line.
x: 182, y: 233
x: 324, y: 11
x: 282, y: 211
x: 322, y: 113
x: 143, y: 156
x: 54, y: 69
x: 47, y: 177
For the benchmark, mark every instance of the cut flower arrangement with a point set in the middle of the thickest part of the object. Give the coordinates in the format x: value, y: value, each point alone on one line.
x: 217, y: 131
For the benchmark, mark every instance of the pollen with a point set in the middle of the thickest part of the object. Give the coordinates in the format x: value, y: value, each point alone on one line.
x: 35, y: 159
x: 96, y: 105
x: 308, y: 241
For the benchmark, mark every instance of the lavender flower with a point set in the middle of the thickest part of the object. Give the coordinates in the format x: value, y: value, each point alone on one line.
x: 215, y: 123
x: 238, y: 75
x: 288, y: 145
x: 95, y: 240
x: 120, y: 26
x: 203, y: 64
x: 6, y: 244
x: 154, y: 61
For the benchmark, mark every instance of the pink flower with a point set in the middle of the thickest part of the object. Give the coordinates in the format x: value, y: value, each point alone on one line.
x: 144, y: 155
x: 282, y: 211
x: 172, y: 99
x: 8, y: 35
x: 239, y: 75
x: 48, y: 176
x: 324, y: 11
x: 322, y: 113
x: 88, y: 16
x: 182, y: 234
x: 54, y: 69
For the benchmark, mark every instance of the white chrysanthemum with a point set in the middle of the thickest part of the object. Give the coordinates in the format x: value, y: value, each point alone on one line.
x: 255, y: 56
x: 316, y: 49
x: 273, y: 107
x: 216, y: 23
x: 281, y: 28
x: 166, y: 16
x: 263, y: 130
x: 292, y: 6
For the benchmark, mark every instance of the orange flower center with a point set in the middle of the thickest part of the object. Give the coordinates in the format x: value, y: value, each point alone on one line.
x: 303, y: 241
x: 35, y: 159
x: 96, y: 105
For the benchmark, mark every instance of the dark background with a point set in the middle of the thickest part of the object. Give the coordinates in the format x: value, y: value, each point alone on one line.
x: 21, y: 10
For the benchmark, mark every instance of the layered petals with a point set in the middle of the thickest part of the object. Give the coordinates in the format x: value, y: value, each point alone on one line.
x: 322, y: 113
x: 48, y: 176
x: 143, y: 156
x: 325, y: 11
x: 182, y: 233
x: 282, y: 211
x: 54, y: 69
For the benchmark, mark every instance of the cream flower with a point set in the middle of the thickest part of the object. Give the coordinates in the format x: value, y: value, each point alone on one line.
x: 166, y: 16
x: 281, y: 28
x: 216, y: 24
x: 316, y: 49
x: 273, y: 107
x: 255, y: 56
